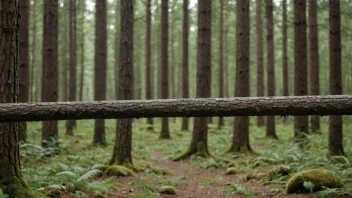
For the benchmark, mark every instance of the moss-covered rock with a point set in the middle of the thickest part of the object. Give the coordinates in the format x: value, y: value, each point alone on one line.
x: 319, y: 177
x: 169, y: 190
x: 231, y: 171
x: 116, y: 170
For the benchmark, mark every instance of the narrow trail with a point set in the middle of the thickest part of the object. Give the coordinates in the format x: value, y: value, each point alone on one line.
x: 196, y: 182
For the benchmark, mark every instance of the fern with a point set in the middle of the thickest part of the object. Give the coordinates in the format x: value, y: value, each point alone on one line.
x: 66, y: 173
x: 88, y: 175
x: 328, y: 192
x: 3, y: 195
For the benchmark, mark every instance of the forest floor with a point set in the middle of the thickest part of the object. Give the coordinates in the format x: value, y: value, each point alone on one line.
x: 71, y: 173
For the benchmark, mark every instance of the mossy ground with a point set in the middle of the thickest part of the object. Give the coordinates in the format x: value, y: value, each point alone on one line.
x: 64, y: 172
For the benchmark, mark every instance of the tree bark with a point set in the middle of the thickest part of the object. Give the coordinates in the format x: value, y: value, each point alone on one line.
x: 164, y: 134
x: 260, y: 58
x: 200, y: 107
x: 117, y: 48
x: 73, y: 85
x: 123, y: 144
x: 11, y: 179
x: 335, y: 122
x: 33, y: 51
x: 185, y: 74
x: 50, y: 65
x: 81, y: 84
x: 270, y: 120
x: 100, y: 67
x: 148, y: 83
x: 285, y: 69
x: 199, y: 142
x: 240, y: 138
x: 300, y: 55
x: 23, y: 63
x: 221, y: 59
x: 314, y: 60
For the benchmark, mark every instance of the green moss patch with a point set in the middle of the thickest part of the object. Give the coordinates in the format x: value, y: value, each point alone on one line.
x: 169, y: 190
x: 319, y: 177
x: 117, y: 170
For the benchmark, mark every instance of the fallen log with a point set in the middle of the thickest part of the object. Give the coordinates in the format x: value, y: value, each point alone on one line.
x: 199, y: 107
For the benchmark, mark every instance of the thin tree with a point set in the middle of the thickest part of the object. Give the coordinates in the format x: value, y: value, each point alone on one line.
x: 185, y: 75
x: 314, y: 60
x: 260, y: 58
x: 221, y: 59
x: 81, y: 84
x: 300, y: 62
x: 270, y: 120
x: 11, y: 179
x: 148, y: 72
x: 164, y: 134
x: 73, y: 83
x: 123, y: 144
x: 335, y: 122
x: 33, y: 50
x: 117, y: 48
x: 50, y: 65
x: 23, y: 63
x: 284, y: 50
x: 100, y: 66
x: 240, y: 139
x: 199, y: 142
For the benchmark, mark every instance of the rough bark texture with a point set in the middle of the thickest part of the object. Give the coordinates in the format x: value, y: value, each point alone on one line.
x: 300, y: 55
x: 201, y: 107
x: 11, y: 180
x: 314, y: 60
x: 81, y: 77
x: 185, y: 75
x: 221, y: 58
x: 335, y: 122
x: 285, y: 69
x: 199, y: 142
x: 50, y: 64
x: 260, y: 58
x: 123, y: 144
x: 148, y: 72
x: 23, y: 63
x: 270, y: 120
x: 240, y: 138
x: 164, y: 134
x: 73, y: 85
x: 100, y: 67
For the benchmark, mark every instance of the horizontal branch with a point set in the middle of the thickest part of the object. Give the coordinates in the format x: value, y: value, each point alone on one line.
x: 200, y: 107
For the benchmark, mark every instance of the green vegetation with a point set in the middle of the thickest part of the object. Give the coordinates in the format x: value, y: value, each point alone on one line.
x: 73, y: 167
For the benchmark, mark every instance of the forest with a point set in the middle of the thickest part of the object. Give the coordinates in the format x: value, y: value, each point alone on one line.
x: 175, y: 98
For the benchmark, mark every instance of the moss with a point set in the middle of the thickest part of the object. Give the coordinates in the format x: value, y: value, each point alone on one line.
x: 319, y: 177
x: 245, y: 150
x: 160, y: 171
x: 169, y: 190
x: 100, y: 167
x: 116, y: 170
x: 231, y: 164
x: 231, y: 171
x: 201, y: 150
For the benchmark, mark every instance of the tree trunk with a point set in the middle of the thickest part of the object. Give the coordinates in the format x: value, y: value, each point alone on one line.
x: 260, y: 58
x: 117, y: 48
x: 185, y: 75
x: 221, y: 59
x: 314, y: 60
x: 240, y: 139
x: 270, y: 120
x: 200, y: 107
x: 64, y: 51
x: 148, y: 71
x: 123, y: 144
x: 50, y: 65
x: 100, y: 67
x: 23, y: 63
x: 72, y: 96
x: 81, y: 84
x: 165, y: 134
x: 11, y: 179
x: 199, y: 142
x: 300, y: 55
x: 285, y: 69
x: 335, y: 122
x: 33, y: 51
